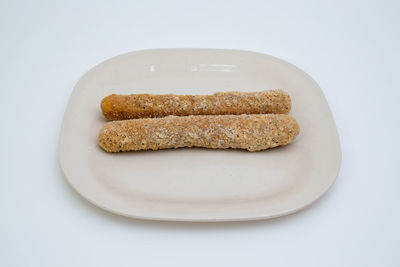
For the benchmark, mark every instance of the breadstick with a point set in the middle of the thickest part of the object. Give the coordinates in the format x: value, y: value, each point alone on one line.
x: 251, y: 132
x: 123, y: 107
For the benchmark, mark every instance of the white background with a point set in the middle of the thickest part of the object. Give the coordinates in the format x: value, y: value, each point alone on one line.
x: 351, y: 48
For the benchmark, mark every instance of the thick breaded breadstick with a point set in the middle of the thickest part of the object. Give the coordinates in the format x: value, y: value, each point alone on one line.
x: 123, y: 107
x: 251, y: 132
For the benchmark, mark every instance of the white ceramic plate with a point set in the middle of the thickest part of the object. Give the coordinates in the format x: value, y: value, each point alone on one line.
x: 199, y: 184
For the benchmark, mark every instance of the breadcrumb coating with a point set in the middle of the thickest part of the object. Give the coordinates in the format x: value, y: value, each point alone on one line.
x: 123, y: 107
x: 250, y: 132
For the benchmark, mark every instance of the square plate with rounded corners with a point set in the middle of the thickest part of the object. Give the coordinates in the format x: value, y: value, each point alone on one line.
x: 199, y: 184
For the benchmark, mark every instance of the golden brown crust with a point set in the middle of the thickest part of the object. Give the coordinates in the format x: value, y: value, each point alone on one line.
x: 123, y: 107
x: 251, y: 132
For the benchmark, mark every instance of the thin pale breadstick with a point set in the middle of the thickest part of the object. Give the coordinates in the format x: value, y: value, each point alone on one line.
x: 123, y: 107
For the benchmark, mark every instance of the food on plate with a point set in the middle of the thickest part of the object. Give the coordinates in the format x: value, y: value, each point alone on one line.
x: 250, y: 132
x: 123, y: 107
